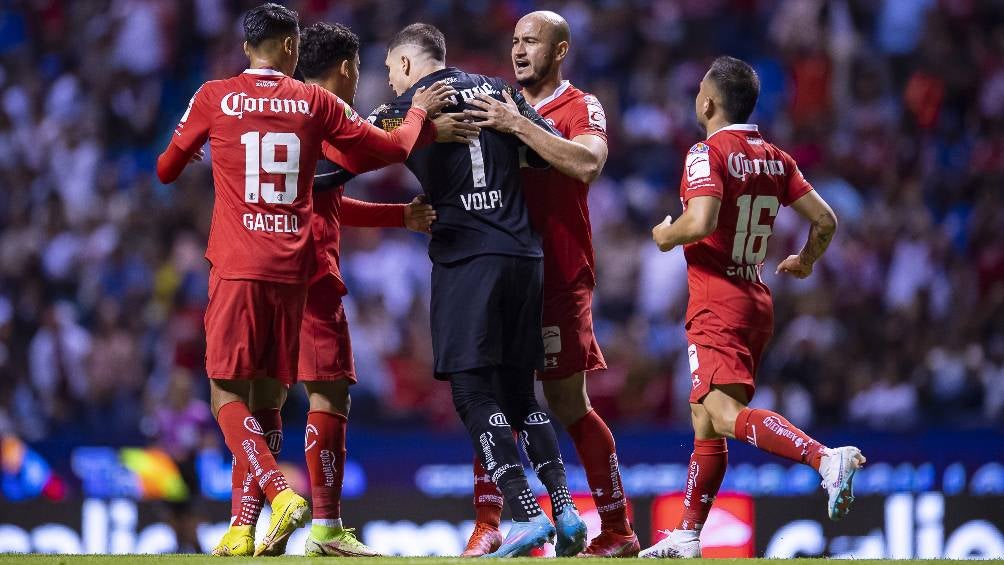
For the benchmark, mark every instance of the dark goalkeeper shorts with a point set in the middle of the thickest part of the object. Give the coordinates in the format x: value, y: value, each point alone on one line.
x: 486, y: 313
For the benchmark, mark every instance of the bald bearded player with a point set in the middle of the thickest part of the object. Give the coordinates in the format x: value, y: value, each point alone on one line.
x: 557, y: 201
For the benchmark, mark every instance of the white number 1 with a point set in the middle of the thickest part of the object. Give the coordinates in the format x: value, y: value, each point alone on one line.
x: 477, y: 164
x: 259, y: 154
x: 750, y: 244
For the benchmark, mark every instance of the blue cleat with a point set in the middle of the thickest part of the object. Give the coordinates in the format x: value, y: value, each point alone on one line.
x: 571, y: 533
x: 525, y: 537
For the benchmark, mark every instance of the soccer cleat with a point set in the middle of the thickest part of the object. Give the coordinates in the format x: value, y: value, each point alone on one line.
x: 237, y: 542
x: 524, y: 537
x: 678, y: 544
x: 571, y: 533
x: 613, y: 544
x: 289, y: 512
x: 485, y: 539
x: 342, y: 544
x: 838, y: 467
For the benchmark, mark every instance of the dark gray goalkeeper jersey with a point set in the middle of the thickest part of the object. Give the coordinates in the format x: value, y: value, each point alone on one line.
x: 476, y: 188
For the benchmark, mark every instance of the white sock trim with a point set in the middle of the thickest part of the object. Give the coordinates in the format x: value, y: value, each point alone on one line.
x: 327, y: 522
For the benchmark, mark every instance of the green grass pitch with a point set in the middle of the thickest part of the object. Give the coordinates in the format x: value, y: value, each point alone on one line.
x: 290, y: 560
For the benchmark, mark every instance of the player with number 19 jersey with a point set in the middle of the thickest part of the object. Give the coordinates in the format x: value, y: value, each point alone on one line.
x: 265, y: 131
x: 730, y: 316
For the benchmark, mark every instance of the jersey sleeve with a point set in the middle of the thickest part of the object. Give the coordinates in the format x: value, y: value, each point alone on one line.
x: 193, y: 128
x: 362, y: 214
x: 348, y: 132
x: 796, y: 186
x: 356, y: 163
x: 589, y: 119
x: 702, y: 173
x: 329, y: 175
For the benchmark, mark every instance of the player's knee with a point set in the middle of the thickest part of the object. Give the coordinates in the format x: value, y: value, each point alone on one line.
x: 567, y: 399
x: 468, y: 398
x: 330, y: 397
x: 724, y: 422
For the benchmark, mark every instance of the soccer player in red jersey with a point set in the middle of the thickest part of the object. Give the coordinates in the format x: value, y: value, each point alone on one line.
x: 265, y: 132
x: 328, y: 58
x: 733, y: 186
x: 557, y: 201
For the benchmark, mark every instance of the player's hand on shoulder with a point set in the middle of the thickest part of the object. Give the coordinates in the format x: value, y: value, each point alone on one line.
x: 455, y: 128
x: 433, y: 98
x: 794, y: 266
x: 500, y: 115
x: 418, y: 216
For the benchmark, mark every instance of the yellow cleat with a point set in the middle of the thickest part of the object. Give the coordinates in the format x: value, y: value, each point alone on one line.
x: 341, y: 542
x: 237, y: 542
x: 289, y: 512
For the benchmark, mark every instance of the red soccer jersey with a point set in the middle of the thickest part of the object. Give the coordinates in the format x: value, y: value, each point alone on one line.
x: 753, y: 179
x: 265, y: 132
x: 558, y: 203
x: 332, y: 210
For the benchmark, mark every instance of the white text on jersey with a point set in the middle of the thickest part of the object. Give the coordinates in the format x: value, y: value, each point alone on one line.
x: 486, y: 200
x: 746, y: 272
x: 236, y: 103
x: 740, y: 165
x: 275, y: 223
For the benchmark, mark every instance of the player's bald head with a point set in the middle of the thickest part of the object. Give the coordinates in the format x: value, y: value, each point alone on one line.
x: 539, y: 45
x: 550, y: 26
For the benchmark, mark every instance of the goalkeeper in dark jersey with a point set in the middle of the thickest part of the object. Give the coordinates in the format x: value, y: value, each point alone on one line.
x: 486, y: 291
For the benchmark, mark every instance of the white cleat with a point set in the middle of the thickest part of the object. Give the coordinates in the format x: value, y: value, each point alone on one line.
x: 838, y: 467
x: 678, y: 544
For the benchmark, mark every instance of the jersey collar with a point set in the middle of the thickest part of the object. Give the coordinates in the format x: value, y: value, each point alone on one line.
x: 557, y: 92
x: 264, y: 72
x: 737, y: 127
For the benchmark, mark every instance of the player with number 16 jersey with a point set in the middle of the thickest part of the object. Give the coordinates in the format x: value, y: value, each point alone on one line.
x: 752, y: 178
x: 734, y: 184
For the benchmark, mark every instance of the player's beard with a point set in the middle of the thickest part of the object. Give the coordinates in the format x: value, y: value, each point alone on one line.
x: 538, y: 74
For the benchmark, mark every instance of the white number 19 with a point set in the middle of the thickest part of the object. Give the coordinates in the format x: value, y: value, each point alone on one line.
x: 259, y: 154
x: 750, y: 244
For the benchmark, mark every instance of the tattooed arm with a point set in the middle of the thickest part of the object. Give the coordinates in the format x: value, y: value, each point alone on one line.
x: 824, y: 224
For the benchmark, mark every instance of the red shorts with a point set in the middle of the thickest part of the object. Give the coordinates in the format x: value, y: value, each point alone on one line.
x: 325, y: 348
x: 252, y: 329
x: 567, y: 326
x: 723, y: 354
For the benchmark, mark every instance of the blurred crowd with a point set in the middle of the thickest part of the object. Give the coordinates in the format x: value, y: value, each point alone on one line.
x: 894, y: 110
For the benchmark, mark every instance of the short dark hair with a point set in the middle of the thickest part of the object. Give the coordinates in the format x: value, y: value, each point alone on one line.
x: 426, y: 36
x: 323, y: 46
x: 738, y: 84
x: 269, y: 21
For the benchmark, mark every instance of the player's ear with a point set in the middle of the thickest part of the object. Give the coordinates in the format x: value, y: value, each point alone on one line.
x: 247, y: 50
x: 289, y: 44
x: 405, y: 65
x: 345, y: 68
x: 561, y: 50
x: 709, y: 107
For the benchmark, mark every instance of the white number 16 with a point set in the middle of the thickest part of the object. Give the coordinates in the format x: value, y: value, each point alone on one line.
x: 750, y: 244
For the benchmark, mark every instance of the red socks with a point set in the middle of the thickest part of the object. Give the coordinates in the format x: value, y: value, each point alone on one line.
x: 243, y: 435
x: 246, y: 498
x: 595, y: 446
x: 704, y: 478
x: 487, y: 496
x: 774, y: 434
x: 325, y: 452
